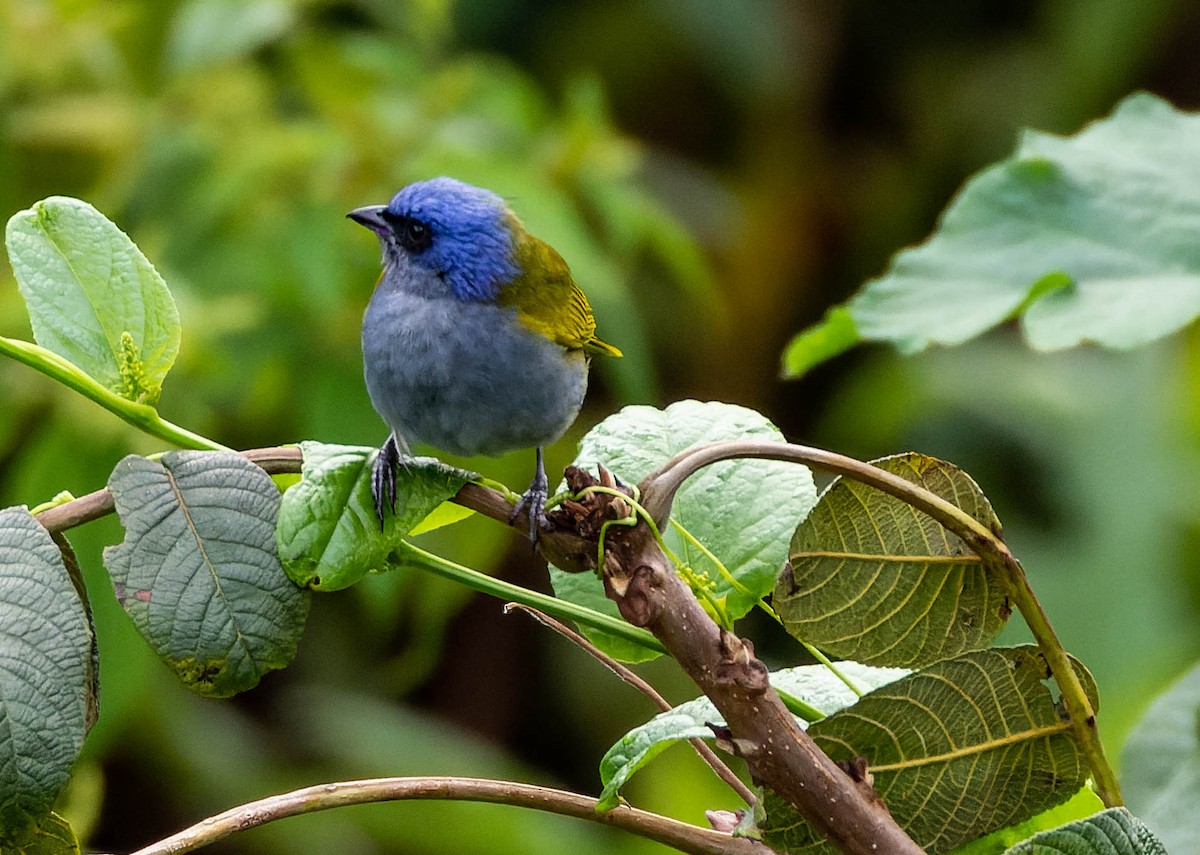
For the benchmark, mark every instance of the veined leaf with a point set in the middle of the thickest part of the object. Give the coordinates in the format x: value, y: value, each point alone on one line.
x: 814, y: 684
x: 1160, y: 764
x: 46, y: 679
x: 872, y: 579
x: 328, y: 535
x: 93, y: 298
x: 1112, y: 832
x: 956, y: 750
x: 743, y: 511
x: 198, y: 572
x: 1089, y: 237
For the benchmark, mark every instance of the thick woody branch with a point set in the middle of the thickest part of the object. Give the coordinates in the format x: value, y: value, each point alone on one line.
x: 641, y: 581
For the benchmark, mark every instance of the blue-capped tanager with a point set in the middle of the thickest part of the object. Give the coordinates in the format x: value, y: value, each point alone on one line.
x: 476, y: 340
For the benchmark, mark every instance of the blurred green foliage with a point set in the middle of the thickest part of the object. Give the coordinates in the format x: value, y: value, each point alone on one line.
x: 717, y: 179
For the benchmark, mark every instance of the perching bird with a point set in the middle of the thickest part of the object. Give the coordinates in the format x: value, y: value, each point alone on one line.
x: 476, y: 340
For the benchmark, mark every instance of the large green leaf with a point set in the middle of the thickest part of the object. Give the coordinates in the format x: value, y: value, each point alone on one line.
x: 743, y: 511
x: 328, y: 535
x: 872, y: 579
x: 1160, y: 764
x: 1112, y: 832
x: 198, y: 572
x: 1087, y: 238
x: 814, y: 684
x: 93, y: 298
x: 956, y: 750
x: 47, y: 688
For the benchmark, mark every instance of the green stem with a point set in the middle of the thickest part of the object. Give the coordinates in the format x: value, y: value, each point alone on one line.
x: 141, y: 416
x: 414, y: 556
x: 660, y: 486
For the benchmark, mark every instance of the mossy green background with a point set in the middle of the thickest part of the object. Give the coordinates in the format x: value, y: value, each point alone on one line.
x: 717, y: 179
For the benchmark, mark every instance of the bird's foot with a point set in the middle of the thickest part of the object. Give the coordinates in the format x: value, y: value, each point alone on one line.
x: 383, y: 478
x: 534, y: 502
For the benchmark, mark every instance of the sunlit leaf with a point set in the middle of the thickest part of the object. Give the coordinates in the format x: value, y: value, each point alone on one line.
x: 51, y: 835
x: 93, y: 298
x: 46, y: 679
x: 1089, y: 237
x: 743, y: 511
x: 873, y: 579
x: 328, y: 535
x: 1113, y: 832
x: 1083, y: 804
x: 198, y: 571
x: 1160, y: 764
x: 956, y: 750
x: 815, y: 684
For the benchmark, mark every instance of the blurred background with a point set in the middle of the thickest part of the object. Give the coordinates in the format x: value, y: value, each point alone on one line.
x: 717, y: 175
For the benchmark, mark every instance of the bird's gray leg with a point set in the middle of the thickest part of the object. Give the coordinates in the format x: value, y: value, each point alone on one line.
x: 383, y: 474
x: 534, y: 500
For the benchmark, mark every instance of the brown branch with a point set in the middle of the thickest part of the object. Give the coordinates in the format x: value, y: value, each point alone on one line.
x: 680, y: 835
x: 632, y: 678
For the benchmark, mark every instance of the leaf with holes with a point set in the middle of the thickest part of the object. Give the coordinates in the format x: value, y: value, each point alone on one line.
x: 47, y: 688
x: 93, y: 298
x: 872, y: 579
x: 197, y: 571
x: 1112, y: 832
x: 956, y: 750
x: 741, y: 510
x: 328, y: 535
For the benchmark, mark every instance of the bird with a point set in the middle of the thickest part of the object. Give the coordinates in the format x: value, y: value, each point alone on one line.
x: 476, y: 340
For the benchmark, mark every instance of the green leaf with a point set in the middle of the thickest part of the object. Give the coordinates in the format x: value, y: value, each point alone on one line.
x: 46, y: 678
x: 815, y: 684
x: 328, y: 535
x: 1088, y: 238
x: 51, y: 835
x: 1112, y: 832
x: 956, y: 750
x: 835, y: 334
x: 93, y: 298
x: 198, y: 572
x: 742, y: 510
x: 1160, y: 764
x: 873, y: 579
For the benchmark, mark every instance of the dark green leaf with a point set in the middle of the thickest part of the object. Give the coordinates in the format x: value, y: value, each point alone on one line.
x: 328, y: 535
x: 1112, y: 832
x: 198, y: 572
x: 1088, y: 238
x: 93, y: 298
x: 1160, y: 764
x: 957, y: 750
x: 743, y: 511
x: 815, y: 684
x: 46, y: 687
x: 1083, y: 804
x: 874, y: 580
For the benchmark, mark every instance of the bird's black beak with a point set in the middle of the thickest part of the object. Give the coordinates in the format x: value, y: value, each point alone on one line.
x: 371, y: 216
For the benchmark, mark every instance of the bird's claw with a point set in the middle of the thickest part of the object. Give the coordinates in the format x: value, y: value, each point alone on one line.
x: 383, y: 479
x: 534, y: 502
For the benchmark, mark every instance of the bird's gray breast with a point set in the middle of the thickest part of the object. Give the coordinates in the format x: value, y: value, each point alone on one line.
x: 465, y: 377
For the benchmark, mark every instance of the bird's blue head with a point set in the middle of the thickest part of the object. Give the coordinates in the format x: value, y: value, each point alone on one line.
x: 460, y: 232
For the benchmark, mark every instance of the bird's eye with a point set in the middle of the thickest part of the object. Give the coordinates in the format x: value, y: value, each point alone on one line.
x: 413, y: 234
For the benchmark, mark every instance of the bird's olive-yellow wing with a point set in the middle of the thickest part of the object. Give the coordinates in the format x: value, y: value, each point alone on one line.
x: 547, y: 299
